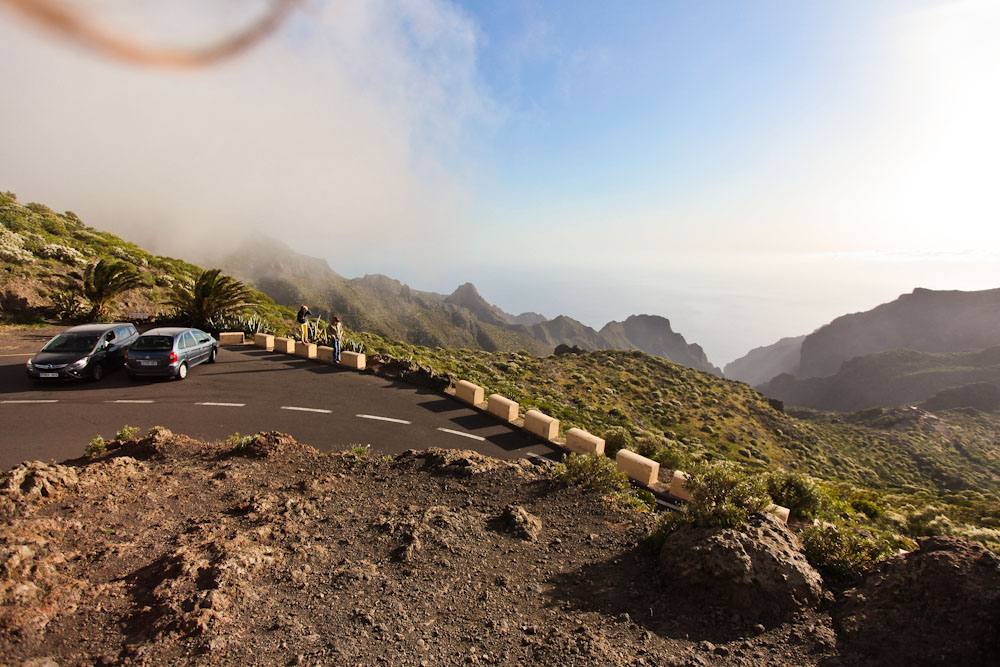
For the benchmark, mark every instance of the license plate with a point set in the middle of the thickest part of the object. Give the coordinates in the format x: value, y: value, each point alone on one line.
x: 48, y: 375
x: 147, y: 363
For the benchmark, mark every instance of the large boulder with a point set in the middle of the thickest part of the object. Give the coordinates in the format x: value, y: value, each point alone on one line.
x: 938, y: 605
x: 758, y: 571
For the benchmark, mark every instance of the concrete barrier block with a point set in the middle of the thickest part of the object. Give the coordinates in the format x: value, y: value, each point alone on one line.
x: 265, y: 341
x: 540, y: 424
x: 678, y: 486
x: 307, y: 350
x: 581, y: 442
x: 780, y: 512
x: 504, y: 408
x: 354, y: 360
x: 286, y: 345
x: 468, y: 392
x: 230, y: 338
x: 643, y: 470
x: 324, y: 353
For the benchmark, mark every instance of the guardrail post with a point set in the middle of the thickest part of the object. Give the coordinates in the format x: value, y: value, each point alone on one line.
x: 643, y: 470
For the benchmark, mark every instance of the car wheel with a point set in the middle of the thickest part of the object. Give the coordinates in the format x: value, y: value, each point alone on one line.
x: 97, y: 372
x: 182, y: 371
x: 211, y: 356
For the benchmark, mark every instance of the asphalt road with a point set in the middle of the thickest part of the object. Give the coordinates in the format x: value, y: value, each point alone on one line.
x: 247, y: 390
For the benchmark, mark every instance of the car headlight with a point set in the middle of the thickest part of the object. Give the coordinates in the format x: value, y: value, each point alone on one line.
x: 29, y: 364
x: 77, y: 365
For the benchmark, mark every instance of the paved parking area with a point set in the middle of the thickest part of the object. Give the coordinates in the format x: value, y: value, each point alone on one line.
x: 247, y: 390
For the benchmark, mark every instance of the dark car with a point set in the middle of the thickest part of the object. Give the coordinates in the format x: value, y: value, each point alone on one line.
x: 86, y: 351
x: 170, y: 352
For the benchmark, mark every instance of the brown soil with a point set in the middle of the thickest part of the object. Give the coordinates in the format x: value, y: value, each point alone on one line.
x: 171, y: 551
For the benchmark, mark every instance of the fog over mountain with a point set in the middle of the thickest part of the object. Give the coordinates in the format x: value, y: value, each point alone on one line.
x: 463, y: 318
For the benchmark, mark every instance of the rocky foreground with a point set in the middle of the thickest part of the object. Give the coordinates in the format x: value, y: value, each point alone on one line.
x: 170, y: 551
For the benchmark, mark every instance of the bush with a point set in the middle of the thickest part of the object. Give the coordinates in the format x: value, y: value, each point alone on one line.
x: 867, y: 507
x: 794, y: 491
x: 842, y: 550
x: 153, y: 430
x: 671, y: 457
x: 65, y: 304
x: 239, y: 443
x: 62, y: 253
x: 95, y: 447
x: 724, y: 495
x: 591, y: 471
x: 616, y: 438
x: 127, y: 432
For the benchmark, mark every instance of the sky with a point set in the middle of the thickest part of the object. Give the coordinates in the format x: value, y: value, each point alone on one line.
x: 749, y: 170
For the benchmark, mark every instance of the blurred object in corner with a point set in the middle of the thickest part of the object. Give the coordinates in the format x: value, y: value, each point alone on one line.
x: 73, y: 22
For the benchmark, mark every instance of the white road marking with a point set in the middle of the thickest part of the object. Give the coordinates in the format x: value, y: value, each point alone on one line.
x: 464, y: 435
x: 224, y: 405
x: 33, y: 401
x: 383, y: 419
x: 128, y: 401
x: 292, y: 407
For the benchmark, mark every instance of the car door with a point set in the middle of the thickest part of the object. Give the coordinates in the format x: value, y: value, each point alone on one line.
x: 188, y: 351
x: 204, y: 344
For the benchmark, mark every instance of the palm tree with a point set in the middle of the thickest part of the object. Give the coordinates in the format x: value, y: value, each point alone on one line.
x: 104, y: 280
x: 212, y: 295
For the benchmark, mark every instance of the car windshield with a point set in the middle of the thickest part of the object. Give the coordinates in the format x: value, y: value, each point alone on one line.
x: 153, y: 344
x: 67, y: 342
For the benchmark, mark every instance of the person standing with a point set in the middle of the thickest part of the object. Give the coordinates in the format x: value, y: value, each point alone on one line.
x: 303, y: 320
x: 337, y: 330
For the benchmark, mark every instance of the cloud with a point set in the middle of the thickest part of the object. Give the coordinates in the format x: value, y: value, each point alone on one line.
x: 351, y: 122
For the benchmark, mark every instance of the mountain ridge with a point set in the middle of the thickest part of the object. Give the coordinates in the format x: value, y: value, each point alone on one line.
x: 464, y: 318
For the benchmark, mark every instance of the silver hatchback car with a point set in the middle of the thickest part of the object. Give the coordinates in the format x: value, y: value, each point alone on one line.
x: 170, y: 352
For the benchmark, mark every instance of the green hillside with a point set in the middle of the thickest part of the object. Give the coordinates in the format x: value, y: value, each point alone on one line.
x: 42, y: 259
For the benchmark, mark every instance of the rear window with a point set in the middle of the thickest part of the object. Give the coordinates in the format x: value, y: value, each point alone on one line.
x: 71, y: 343
x: 153, y: 343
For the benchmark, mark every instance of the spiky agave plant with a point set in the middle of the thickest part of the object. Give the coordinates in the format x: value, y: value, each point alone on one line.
x: 211, y: 296
x: 319, y: 331
x: 106, y: 279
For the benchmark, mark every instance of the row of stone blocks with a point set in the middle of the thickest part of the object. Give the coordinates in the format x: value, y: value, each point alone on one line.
x: 354, y: 360
x: 535, y: 422
x: 640, y: 468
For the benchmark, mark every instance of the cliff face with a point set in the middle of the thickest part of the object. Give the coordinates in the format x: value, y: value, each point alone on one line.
x: 896, y: 377
x: 925, y: 321
x: 653, y: 335
x: 764, y: 363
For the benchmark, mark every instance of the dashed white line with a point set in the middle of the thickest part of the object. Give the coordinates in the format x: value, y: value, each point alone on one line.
x: 384, y: 419
x: 464, y: 435
x: 292, y: 407
x: 124, y: 400
x: 224, y: 405
x: 34, y: 401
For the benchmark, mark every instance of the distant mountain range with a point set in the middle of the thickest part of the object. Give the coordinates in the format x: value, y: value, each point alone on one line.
x: 463, y: 318
x: 907, y: 350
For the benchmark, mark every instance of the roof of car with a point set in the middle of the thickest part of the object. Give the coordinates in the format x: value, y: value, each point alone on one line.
x: 167, y: 331
x: 96, y: 328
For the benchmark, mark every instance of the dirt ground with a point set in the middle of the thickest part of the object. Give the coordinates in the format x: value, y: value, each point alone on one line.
x: 170, y: 551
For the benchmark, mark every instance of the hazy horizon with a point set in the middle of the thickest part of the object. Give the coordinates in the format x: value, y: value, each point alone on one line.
x: 748, y: 171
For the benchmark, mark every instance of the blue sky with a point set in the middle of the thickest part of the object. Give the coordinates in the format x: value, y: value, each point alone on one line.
x: 749, y: 170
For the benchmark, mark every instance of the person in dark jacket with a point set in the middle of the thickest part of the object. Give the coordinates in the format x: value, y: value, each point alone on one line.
x: 302, y: 317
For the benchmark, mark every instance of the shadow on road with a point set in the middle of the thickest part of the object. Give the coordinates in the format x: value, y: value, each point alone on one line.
x: 441, y: 405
